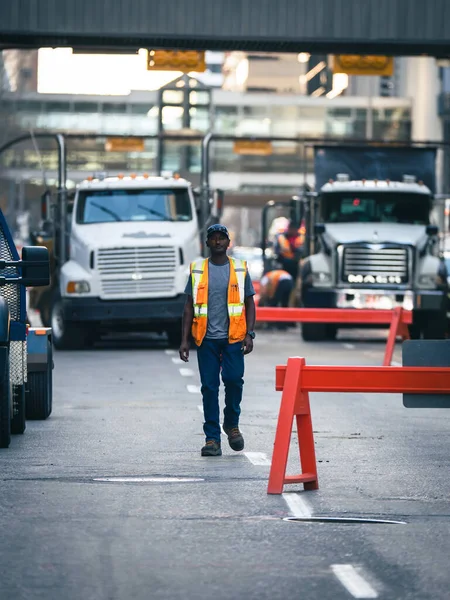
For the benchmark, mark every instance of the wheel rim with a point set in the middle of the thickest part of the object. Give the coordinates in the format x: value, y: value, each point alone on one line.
x: 57, y: 321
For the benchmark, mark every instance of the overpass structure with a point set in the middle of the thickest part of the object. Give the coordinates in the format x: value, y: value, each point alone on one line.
x: 395, y: 27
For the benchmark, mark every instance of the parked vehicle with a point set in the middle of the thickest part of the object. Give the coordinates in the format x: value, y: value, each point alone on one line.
x: 121, y: 260
x: 371, y: 238
x: 25, y: 353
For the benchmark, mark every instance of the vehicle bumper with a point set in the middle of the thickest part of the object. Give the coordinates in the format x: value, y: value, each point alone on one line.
x: 159, y: 310
x: 426, y: 300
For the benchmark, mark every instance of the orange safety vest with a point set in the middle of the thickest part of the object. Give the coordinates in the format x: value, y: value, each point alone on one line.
x: 285, y: 246
x: 273, y: 277
x: 236, y: 297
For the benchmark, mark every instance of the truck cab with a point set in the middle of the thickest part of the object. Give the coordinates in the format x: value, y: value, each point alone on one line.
x: 132, y: 239
x: 375, y: 249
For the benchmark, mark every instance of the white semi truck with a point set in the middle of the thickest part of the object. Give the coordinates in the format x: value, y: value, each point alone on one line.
x: 130, y: 240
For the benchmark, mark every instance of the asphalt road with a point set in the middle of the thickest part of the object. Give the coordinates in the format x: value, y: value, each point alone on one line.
x: 73, y: 525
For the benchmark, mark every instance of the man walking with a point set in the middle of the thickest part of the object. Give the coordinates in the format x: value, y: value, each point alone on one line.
x: 220, y: 314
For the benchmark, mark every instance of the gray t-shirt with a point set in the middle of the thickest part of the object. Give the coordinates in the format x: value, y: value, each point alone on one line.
x: 218, y: 278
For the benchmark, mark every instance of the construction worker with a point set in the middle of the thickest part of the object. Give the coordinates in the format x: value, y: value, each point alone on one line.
x: 288, y: 248
x: 275, y: 290
x: 219, y: 313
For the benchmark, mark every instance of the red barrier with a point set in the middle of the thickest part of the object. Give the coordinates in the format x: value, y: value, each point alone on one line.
x: 397, y: 318
x: 296, y: 380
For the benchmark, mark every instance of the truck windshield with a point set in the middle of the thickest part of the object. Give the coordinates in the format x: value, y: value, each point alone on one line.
x: 104, y: 206
x: 366, y: 207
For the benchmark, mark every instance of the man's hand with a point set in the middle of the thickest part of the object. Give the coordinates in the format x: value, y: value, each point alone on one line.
x: 247, y: 344
x: 184, y: 351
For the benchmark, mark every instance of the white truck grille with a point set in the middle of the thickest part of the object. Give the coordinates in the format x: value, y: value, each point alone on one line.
x: 363, y: 265
x: 137, y: 272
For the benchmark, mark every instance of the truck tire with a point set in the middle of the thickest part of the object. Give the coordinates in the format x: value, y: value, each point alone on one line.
x: 44, y: 308
x: 434, y: 326
x: 430, y: 325
x: 5, y: 407
x: 314, y: 332
x: 331, y: 331
x: 39, y: 401
x: 67, y: 335
x: 18, y: 422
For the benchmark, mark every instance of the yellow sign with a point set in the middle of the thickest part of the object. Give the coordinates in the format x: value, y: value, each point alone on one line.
x: 176, y: 60
x: 354, y: 64
x: 118, y: 144
x: 253, y: 147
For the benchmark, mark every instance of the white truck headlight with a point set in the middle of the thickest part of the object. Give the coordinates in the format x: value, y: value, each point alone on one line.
x: 321, y: 278
x: 78, y: 287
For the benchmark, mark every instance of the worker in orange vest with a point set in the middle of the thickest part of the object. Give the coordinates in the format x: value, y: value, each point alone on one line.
x: 275, y: 288
x: 289, y: 247
x: 220, y: 316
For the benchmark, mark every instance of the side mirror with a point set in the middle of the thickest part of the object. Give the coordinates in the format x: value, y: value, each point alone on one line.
x: 432, y: 230
x: 35, y: 266
x: 319, y: 228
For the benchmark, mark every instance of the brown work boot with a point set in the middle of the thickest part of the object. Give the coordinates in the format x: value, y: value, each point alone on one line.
x: 212, y: 448
x: 235, y: 438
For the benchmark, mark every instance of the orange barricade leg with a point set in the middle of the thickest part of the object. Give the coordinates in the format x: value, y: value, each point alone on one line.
x: 403, y: 331
x: 294, y: 402
x: 306, y: 447
x: 396, y: 323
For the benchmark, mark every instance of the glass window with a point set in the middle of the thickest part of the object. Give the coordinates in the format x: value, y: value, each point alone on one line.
x: 139, y: 109
x: 284, y: 120
x: 199, y: 118
x: 215, y: 68
x: 312, y: 121
x: 225, y: 119
x: 199, y: 97
x: 256, y: 111
x: 57, y: 107
x: 29, y: 106
x: 114, y: 108
x: 86, y: 107
x: 383, y: 207
x: 109, y: 206
x: 172, y: 96
x: 172, y: 117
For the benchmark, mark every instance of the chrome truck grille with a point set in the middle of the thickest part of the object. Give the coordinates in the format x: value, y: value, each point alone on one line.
x: 365, y: 265
x: 137, y: 272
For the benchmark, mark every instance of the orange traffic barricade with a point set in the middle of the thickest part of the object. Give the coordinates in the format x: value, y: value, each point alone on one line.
x: 398, y: 319
x: 296, y: 380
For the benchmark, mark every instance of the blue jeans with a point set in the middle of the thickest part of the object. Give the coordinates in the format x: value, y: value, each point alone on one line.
x: 212, y: 355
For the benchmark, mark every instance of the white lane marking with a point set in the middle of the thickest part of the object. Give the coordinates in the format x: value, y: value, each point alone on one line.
x: 170, y: 352
x: 297, y: 505
x: 349, y: 346
x: 177, y: 361
x: 395, y: 363
x: 353, y: 582
x: 194, y: 389
x: 186, y: 372
x: 258, y: 458
x: 200, y: 408
x: 148, y: 479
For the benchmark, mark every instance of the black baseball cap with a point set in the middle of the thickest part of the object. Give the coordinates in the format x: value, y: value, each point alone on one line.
x: 217, y: 228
